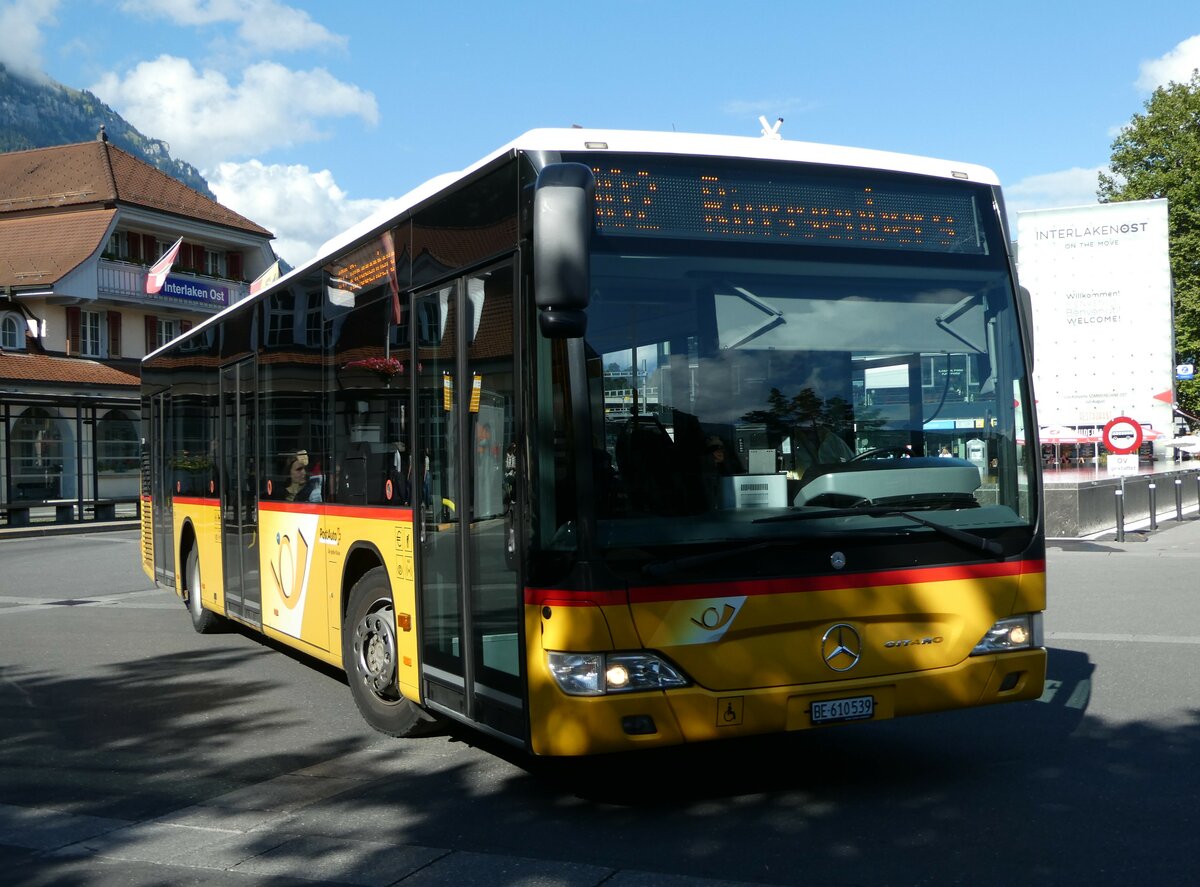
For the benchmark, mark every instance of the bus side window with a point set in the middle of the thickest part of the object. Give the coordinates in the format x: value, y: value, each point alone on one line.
x: 354, y: 480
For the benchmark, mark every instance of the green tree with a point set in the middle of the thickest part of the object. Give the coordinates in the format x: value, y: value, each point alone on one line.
x: 1158, y: 155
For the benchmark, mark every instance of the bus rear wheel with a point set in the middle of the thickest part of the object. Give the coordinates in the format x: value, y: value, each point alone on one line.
x: 204, y: 621
x: 370, y: 659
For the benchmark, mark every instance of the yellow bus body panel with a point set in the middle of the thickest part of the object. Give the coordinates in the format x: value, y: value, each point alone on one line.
x: 302, y: 557
x: 755, y: 654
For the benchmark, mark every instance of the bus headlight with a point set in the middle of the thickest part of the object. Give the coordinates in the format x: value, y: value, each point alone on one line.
x: 597, y: 674
x: 1015, y: 633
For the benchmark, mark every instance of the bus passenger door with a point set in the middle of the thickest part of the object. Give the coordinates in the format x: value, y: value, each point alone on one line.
x: 239, y: 492
x: 469, y: 586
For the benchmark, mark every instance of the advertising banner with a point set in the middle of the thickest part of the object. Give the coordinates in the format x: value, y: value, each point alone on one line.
x: 1100, y: 282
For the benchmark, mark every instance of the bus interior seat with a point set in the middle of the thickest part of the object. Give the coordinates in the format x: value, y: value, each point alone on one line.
x: 652, y: 468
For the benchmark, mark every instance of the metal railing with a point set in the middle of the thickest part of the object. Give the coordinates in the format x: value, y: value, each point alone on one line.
x: 127, y: 280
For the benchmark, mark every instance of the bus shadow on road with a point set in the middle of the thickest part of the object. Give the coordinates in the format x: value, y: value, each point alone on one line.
x: 1068, y: 686
x: 118, y: 730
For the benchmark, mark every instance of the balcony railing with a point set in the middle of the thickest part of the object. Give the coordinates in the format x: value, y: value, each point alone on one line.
x: 194, y: 292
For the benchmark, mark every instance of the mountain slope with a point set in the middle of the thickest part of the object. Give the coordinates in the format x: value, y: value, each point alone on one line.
x: 41, y: 115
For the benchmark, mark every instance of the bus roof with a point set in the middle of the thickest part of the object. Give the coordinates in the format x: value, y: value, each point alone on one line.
x: 622, y: 141
x: 625, y: 141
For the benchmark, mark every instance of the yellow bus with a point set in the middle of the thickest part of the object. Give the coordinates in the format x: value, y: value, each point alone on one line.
x: 619, y: 439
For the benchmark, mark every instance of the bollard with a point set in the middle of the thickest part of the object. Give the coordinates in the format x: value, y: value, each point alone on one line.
x: 1120, y: 497
x: 1178, y: 499
x: 1153, y: 507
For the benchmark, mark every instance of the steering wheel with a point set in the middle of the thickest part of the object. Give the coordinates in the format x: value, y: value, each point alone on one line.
x: 883, y: 453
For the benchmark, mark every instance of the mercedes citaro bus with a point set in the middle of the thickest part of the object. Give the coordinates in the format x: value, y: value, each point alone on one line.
x: 621, y: 439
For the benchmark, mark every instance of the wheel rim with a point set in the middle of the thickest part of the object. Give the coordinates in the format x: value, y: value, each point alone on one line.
x: 375, y: 653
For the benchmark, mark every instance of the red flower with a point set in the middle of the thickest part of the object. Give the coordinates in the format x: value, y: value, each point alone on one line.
x: 384, y: 366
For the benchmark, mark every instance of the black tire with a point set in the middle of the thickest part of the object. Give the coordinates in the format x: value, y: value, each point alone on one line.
x: 204, y: 621
x: 370, y: 659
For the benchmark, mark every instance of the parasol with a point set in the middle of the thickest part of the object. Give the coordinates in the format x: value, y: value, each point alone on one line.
x: 1060, y: 435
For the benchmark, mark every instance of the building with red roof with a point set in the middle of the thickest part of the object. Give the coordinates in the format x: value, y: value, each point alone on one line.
x: 79, y: 226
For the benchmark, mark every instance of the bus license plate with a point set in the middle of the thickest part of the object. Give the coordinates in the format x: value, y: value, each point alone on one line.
x: 853, y: 708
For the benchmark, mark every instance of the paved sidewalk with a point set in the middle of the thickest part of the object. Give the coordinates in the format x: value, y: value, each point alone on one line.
x: 53, y: 529
x: 1171, y: 536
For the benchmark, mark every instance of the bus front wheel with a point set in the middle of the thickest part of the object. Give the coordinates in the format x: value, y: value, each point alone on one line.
x: 204, y: 621
x: 369, y: 656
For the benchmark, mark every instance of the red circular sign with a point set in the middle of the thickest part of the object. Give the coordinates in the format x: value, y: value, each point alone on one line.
x: 1122, y: 436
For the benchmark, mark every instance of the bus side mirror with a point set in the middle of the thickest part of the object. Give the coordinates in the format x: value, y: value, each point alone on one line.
x: 563, y: 213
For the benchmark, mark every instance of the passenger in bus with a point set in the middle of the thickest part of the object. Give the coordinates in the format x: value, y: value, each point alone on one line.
x: 718, y: 461
x: 301, y: 487
x: 818, y: 446
x: 716, y: 465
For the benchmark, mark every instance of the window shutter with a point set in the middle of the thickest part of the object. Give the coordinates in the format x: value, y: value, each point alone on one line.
x: 133, y: 246
x: 233, y: 262
x: 73, y: 332
x: 149, y: 248
x: 184, y: 326
x: 114, y: 333
x: 151, y: 333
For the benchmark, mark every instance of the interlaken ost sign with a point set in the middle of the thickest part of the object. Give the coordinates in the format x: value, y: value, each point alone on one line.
x: 1100, y: 281
x: 204, y: 292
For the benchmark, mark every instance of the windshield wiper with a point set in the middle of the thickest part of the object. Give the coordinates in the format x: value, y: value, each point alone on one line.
x: 944, y: 320
x: 776, y: 317
x: 971, y: 540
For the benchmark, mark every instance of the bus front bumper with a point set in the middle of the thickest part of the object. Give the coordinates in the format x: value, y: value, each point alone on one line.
x: 565, y: 725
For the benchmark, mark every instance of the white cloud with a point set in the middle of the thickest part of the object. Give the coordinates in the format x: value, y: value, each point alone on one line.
x: 1068, y: 187
x: 21, y: 24
x: 302, y: 207
x: 206, y: 118
x: 1176, y: 66
x: 263, y: 25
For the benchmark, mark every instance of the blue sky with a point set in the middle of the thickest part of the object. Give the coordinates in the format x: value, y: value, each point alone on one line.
x: 308, y: 116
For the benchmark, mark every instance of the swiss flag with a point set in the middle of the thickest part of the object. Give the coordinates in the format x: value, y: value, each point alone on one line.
x: 157, y: 275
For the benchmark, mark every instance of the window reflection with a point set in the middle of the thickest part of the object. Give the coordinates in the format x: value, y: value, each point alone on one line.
x: 728, y: 384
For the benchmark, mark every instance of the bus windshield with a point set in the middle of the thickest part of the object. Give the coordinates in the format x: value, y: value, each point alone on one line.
x: 732, y: 387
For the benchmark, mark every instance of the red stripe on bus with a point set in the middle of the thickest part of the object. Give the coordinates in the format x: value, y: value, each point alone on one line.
x: 404, y: 515
x: 793, y: 585
x: 374, y: 513
x: 191, y: 500
x: 369, y: 512
x: 538, y: 596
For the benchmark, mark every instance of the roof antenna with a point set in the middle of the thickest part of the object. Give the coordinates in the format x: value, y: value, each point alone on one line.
x: 101, y: 136
x: 768, y: 131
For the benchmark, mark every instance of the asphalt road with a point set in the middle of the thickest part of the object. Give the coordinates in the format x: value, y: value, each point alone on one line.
x: 134, y: 751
